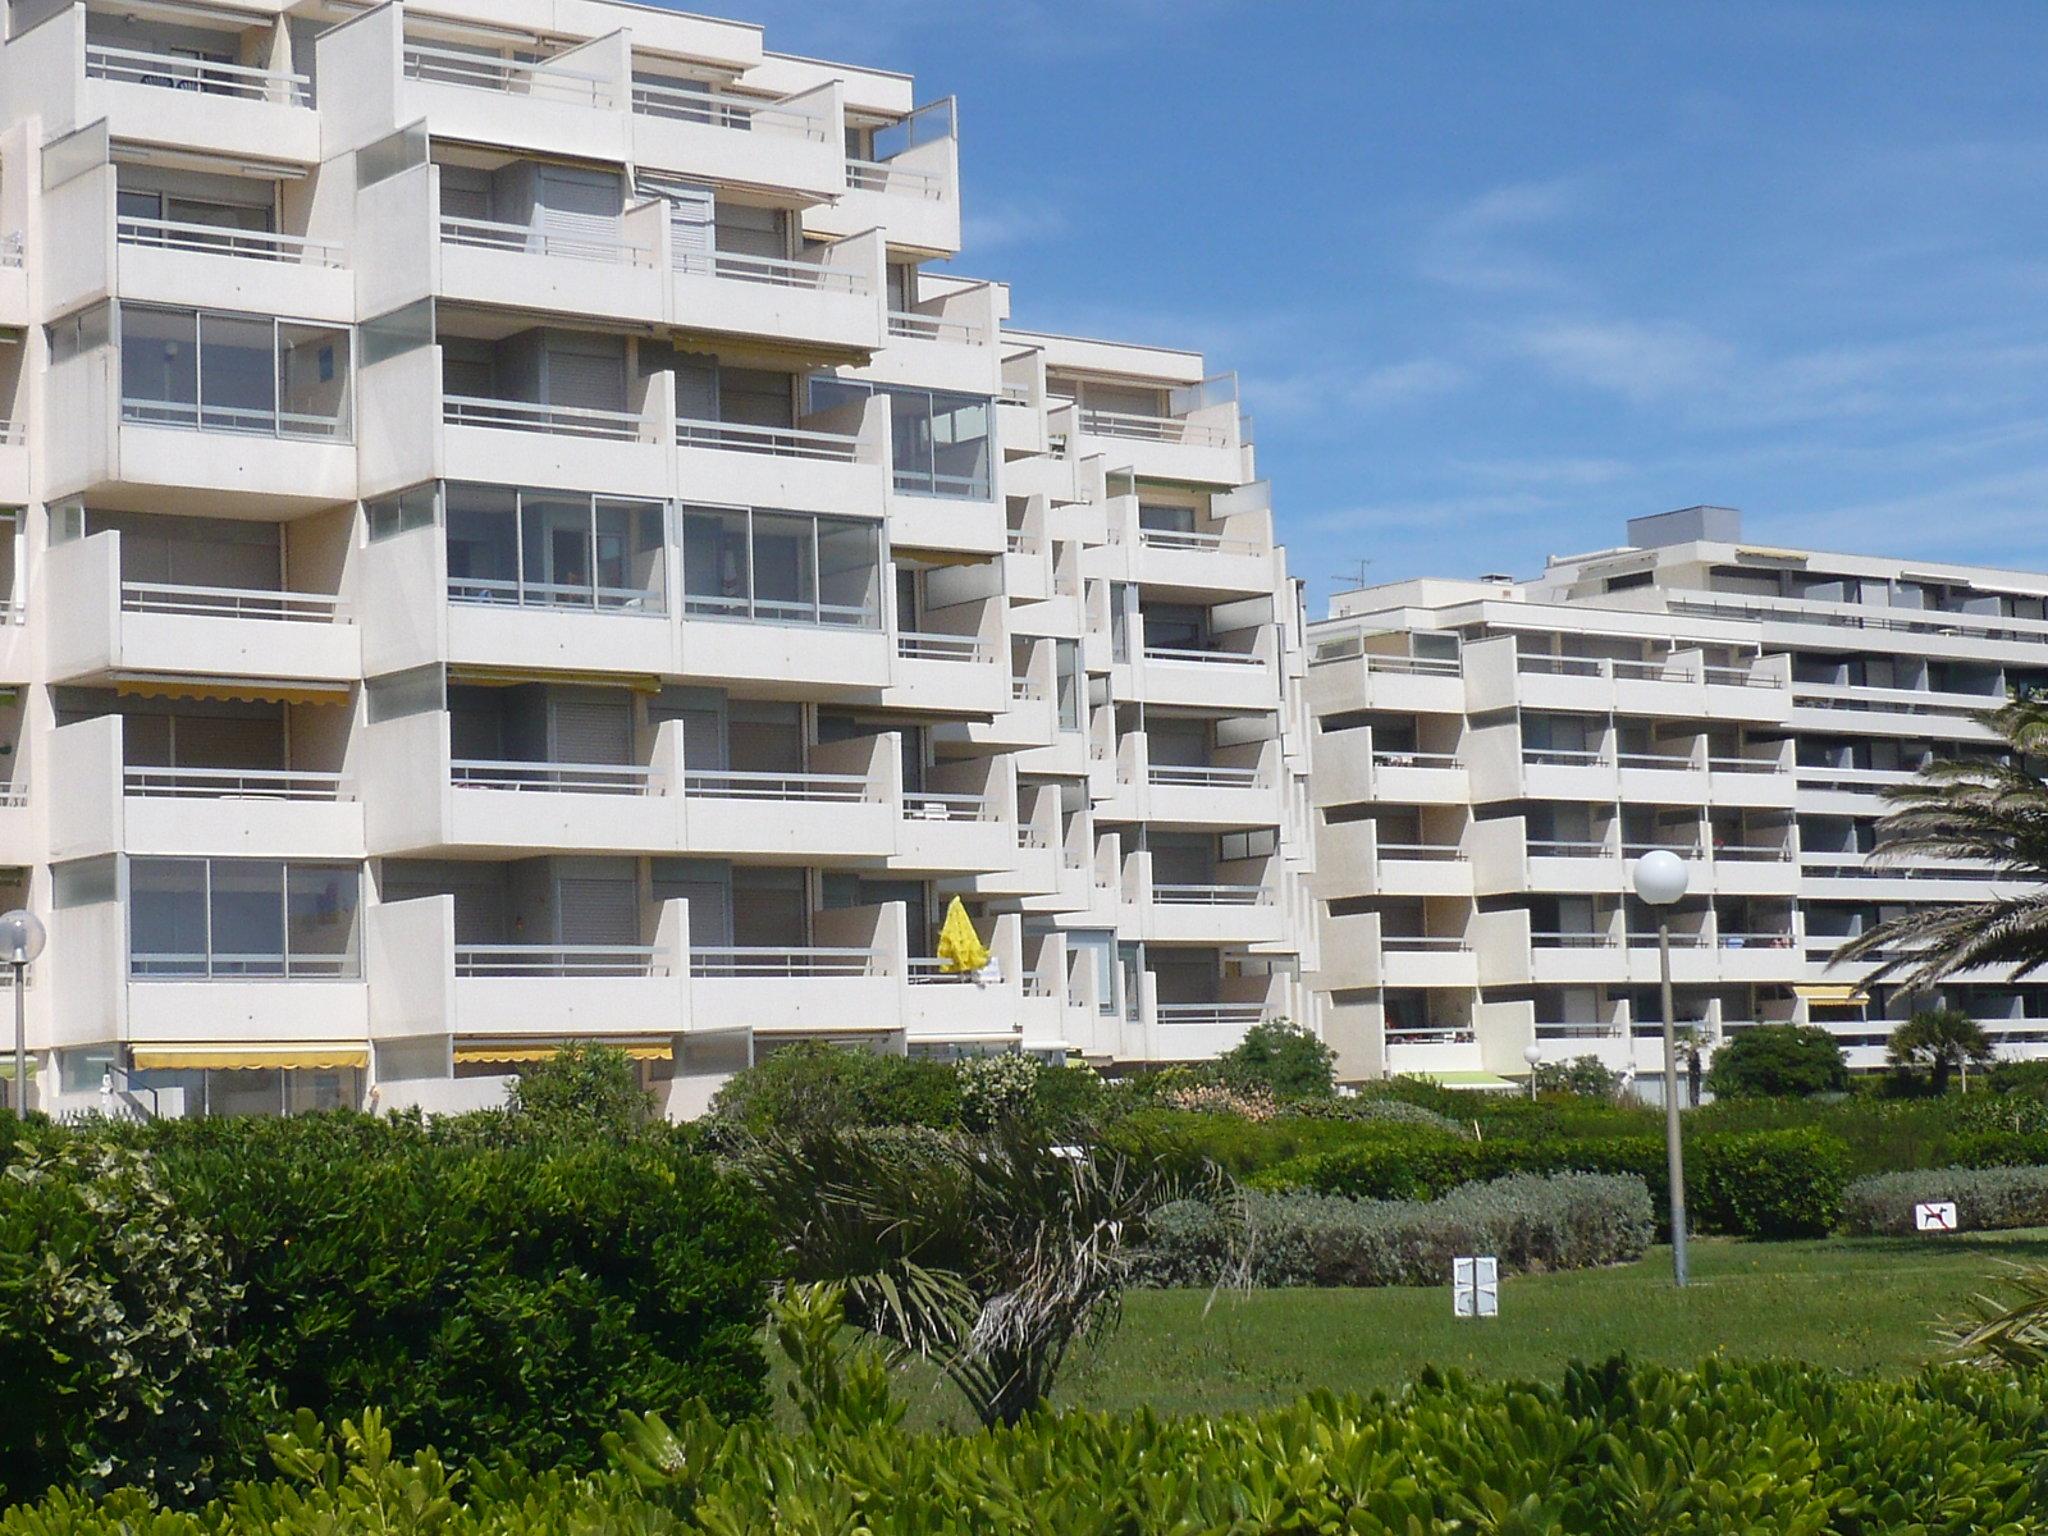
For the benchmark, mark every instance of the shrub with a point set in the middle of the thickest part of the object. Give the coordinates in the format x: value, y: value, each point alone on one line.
x: 996, y: 1089
x: 814, y: 1086
x: 2026, y: 1078
x: 1987, y: 1199
x: 1566, y: 1221
x: 1778, y: 1061
x: 1587, y: 1076
x: 1767, y: 1183
x: 1281, y: 1057
x: 114, y: 1305
x: 1941, y: 1039
x: 585, y: 1088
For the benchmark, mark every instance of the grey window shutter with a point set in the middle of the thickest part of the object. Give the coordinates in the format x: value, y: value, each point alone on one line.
x: 691, y: 220
x: 593, y: 731
x: 597, y: 911
x: 589, y: 378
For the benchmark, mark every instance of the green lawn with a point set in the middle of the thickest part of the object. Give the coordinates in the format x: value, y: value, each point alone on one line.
x: 1860, y: 1304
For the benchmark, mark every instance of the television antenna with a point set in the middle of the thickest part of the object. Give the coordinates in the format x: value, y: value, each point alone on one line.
x: 1345, y: 581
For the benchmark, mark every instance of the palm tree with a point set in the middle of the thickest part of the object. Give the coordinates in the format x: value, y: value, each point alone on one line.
x: 1993, y: 812
x: 1943, y: 1038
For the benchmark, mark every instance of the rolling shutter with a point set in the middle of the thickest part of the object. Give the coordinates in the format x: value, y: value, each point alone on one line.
x: 597, y: 911
x: 691, y: 220
x: 592, y: 731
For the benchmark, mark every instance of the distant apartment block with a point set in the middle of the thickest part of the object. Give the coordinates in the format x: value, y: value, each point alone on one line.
x: 517, y: 534
x: 1493, y: 755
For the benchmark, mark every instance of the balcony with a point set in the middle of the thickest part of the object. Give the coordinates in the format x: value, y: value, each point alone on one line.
x: 1211, y: 678
x: 604, y: 268
x: 829, y: 461
x: 1574, y: 774
x: 1200, y: 447
x: 847, y: 978
x: 823, y: 302
x: 529, y: 442
x: 166, y: 261
x: 569, y: 103
x: 1351, y: 767
x: 907, y: 182
x: 844, y: 806
x: 1679, y: 686
x: 103, y: 626
x: 959, y: 673
x: 1663, y: 778
x: 1344, y: 673
x: 692, y: 128
x: 1221, y: 913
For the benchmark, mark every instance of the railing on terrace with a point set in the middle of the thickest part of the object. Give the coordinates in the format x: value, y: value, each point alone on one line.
x: 1239, y: 1014
x: 231, y: 784
x: 1423, y: 943
x: 918, y: 646
x: 1852, y: 780
x: 1574, y: 939
x: 1351, y: 647
x: 230, y: 418
x: 774, y: 271
x: 231, y: 603
x: 1014, y: 394
x: 1753, y: 853
x: 1755, y: 940
x: 1744, y: 765
x: 492, y: 592
x: 916, y: 327
x: 1029, y: 836
x: 809, y: 788
x: 1683, y: 850
x: 1652, y: 672
x: 540, y: 80
x: 1552, y: 757
x: 1392, y: 759
x: 607, y: 245
x: 1679, y: 940
x: 530, y: 961
x: 1212, y: 895
x: 1153, y: 429
x: 1860, y: 867
x: 532, y: 416
x: 781, y: 442
x: 1424, y: 853
x: 768, y: 960
x: 1018, y: 542
x: 1430, y: 1035
x: 553, y: 778
x: 1202, y: 658
x: 1742, y: 677
x: 1560, y: 666
x: 1661, y: 762
x: 1204, y: 543
x: 215, y: 239
x: 1977, y: 626
x: 1173, y: 774
x: 242, y: 965
x: 723, y: 109
x: 1590, y: 1030
x: 925, y: 805
x: 881, y: 176
x: 1023, y: 690
x: 1558, y: 848
x: 135, y: 66
x: 768, y: 610
x: 930, y: 971
x: 13, y: 795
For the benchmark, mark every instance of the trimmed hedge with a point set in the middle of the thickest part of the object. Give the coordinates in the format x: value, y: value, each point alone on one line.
x: 498, y: 1297
x: 1614, y: 1450
x: 1987, y: 1199
x: 1565, y: 1221
x: 1751, y: 1184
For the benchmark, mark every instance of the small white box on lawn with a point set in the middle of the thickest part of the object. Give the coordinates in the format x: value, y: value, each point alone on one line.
x: 1935, y: 1216
x: 1475, y: 1287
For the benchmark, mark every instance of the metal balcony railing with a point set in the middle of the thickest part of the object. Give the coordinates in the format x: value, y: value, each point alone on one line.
x: 231, y: 784
x: 921, y: 646
x: 594, y: 243
x: 1212, y: 895
x: 1563, y: 848
x: 1178, y: 776
x: 881, y: 176
x: 782, y: 442
x: 493, y: 592
x: 1424, y: 853
x: 231, y: 603
x: 552, y: 778
x: 1202, y: 658
x: 527, y: 962
x: 1574, y: 939
x: 532, y: 416
x: 135, y: 66
x: 781, y: 962
x: 913, y: 326
x: 1234, y: 1014
x: 924, y: 805
x: 540, y: 79
x: 1392, y: 759
x: 255, y: 421
x: 795, y: 788
x: 1152, y: 429
x: 724, y: 109
x: 771, y: 270
x: 221, y: 240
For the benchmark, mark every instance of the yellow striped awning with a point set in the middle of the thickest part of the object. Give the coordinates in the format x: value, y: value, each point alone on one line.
x: 513, y: 677
x: 637, y: 1051
x: 1838, y: 994
x: 249, y: 1058
x: 259, y: 690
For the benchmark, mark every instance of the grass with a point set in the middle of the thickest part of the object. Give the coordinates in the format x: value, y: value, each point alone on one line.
x: 1864, y: 1305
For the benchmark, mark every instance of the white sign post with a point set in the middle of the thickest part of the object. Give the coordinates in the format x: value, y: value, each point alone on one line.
x: 1475, y: 1287
x: 1935, y: 1216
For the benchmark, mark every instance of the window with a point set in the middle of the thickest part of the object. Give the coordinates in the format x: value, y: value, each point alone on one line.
x: 555, y: 549
x: 940, y: 440
x: 780, y: 567
x: 234, y: 373
x: 242, y: 919
x: 80, y: 331
x: 389, y: 516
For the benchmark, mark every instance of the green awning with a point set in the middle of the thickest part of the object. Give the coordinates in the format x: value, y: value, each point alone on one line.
x: 1485, y: 1082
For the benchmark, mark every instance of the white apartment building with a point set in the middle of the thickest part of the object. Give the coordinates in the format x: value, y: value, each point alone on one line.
x: 1494, y: 754
x: 516, y: 536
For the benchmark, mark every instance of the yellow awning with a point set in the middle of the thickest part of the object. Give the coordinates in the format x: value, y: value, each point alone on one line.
x: 467, y: 1054
x: 228, y: 1058
x: 248, y: 689
x: 941, y: 556
x: 513, y: 677
x: 1834, y: 993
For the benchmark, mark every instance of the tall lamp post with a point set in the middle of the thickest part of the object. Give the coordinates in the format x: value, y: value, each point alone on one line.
x: 1532, y: 1053
x: 1660, y: 881
x: 21, y: 939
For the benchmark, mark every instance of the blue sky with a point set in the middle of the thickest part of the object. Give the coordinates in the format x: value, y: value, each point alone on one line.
x: 1497, y: 276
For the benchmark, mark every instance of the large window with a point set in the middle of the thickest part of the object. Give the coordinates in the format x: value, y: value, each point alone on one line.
x: 242, y: 919
x: 555, y: 549
x: 940, y: 441
x: 234, y: 373
x: 781, y: 567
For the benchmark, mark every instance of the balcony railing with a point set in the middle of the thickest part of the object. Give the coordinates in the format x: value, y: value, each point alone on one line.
x: 1744, y: 765
x: 1560, y: 666
x: 552, y: 778
x: 1025, y: 691
x: 508, y: 77
x: 1683, y: 850
x: 919, y: 646
x: 1153, y: 429
x: 1573, y: 939
x: 1424, y: 853
x: 1212, y: 895
x: 1243, y: 1015
x: 1421, y: 943
x: 219, y: 240
x: 1417, y: 760
x: 723, y: 109
x: 781, y: 442
x: 924, y: 805
x: 1547, y: 757
x: 807, y: 788
x: 1752, y: 853
x: 1742, y: 677
x: 1174, y: 775
x: 134, y: 66
x: 239, y: 965
x: 1430, y: 1034
x: 1755, y: 940
x: 231, y: 784
x: 531, y: 416
x: 493, y: 592
x: 534, y: 961
x: 231, y: 603
x: 209, y: 417
x: 916, y: 327
x: 608, y: 245
x: 1860, y: 867
x: 1187, y: 539
x: 1556, y: 848
x: 930, y: 971
x: 774, y: 960
x: 881, y: 176
x: 1175, y: 653
x: 1657, y: 762
x: 771, y: 270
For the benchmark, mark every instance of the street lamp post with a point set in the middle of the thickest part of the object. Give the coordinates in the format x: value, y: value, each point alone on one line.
x: 21, y: 940
x: 1532, y: 1053
x: 1660, y: 881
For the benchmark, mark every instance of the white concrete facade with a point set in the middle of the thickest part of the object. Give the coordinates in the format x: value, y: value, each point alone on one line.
x: 516, y: 537
x: 1493, y: 755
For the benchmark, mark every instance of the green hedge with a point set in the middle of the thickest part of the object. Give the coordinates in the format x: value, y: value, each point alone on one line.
x: 1754, y: 1184
x: 1615, y: 1450
x: 497, y: 1297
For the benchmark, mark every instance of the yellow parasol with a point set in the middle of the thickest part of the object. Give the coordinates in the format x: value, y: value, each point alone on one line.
x: 960, y: 947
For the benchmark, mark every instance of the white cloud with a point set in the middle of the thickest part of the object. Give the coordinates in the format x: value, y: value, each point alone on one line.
x: 1018, y: 221
x: 1640, y: 361
x: 1474, y: 247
